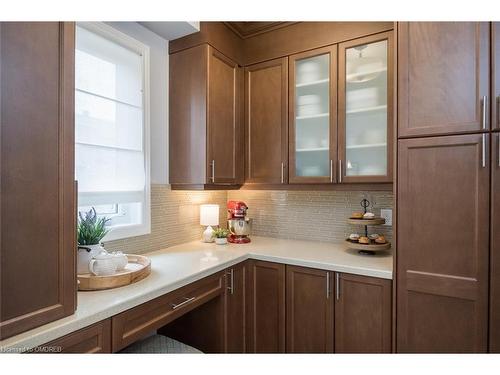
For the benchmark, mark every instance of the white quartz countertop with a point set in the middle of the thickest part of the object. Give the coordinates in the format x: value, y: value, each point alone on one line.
x: 180, y: 265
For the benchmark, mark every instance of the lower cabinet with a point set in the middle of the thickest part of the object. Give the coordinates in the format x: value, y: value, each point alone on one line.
x: 325, y: 311
x: 362, y: 314
x: 92, y: 339
x: 309, y: 310
x: 234, y: 303
x: 266, y: 307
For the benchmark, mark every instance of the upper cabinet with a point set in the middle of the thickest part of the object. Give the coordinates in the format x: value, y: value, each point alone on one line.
x: 366, y: 109
x: 319, y: 115
x: 443, y: 82
x: 266, y: 106
x: 206, y: 137
x: 313, y: 116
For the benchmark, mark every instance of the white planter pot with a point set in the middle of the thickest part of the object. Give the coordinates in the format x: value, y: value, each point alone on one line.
x: 221, y: 241
x: 85, y: 254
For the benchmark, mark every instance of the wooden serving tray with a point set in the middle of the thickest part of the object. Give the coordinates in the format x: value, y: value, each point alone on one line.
x: 374, y: 221
x: 138, y: 268
x: 371, y: 247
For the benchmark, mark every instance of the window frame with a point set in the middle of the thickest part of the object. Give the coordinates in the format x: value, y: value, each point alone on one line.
x: 126, y: 41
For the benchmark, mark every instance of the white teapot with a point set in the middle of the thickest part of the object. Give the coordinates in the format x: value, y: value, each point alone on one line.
x: 103, y: 264
x: 121, y: 260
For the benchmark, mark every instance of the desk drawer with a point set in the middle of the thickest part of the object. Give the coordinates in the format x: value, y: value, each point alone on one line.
x: 133, y: 324
x: 92, y: 339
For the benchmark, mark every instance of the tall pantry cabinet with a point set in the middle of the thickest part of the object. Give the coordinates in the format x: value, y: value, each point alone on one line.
x: 443, y: 187
x: 495, y: 194
x: 38, y: 206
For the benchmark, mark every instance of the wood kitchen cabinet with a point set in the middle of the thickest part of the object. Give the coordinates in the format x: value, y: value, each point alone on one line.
x: 206, y: 138
x: 235, y: 314
x: 443, y: 78
x: 93, y: 339
x: 266, y: 127
x: 38, y: 210
x: 309, y: 310
x: 266, y: 307
x: 443, y: 230
x: 313, y: 116
x: 363, y: 316
x: 495, y: 245
x: 366, y: 113
x: 495, y: 79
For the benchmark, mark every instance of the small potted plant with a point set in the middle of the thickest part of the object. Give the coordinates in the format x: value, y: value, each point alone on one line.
x: 91, y: 230
x: 220, y: 235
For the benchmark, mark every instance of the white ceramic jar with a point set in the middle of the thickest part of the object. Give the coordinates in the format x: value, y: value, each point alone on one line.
x: 85, y: 254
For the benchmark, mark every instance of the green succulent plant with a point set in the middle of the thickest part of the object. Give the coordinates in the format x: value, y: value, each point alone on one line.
x: 91, y: 229
x: 220, y: 233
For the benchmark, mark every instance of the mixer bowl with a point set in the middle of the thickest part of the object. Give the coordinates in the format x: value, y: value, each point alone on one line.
x: 240, y: 227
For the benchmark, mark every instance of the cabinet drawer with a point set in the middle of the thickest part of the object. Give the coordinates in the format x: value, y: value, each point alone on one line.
x: 133, y: 324
x: 92, y: 339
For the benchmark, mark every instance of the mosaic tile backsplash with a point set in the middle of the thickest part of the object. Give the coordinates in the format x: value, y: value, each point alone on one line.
x: 175, y: 219
x: 310, y: 215
x: 305, y: 215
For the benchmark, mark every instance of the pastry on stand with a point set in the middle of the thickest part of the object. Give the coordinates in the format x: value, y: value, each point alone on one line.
x: 367, y: 244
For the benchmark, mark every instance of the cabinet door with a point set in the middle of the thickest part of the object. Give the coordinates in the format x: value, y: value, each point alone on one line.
x: 313, y: 116
x: 38, y: 234
x: 495, y: 71
x: 225, y: 138
x: 309, y: 310
x: 495, y: 246
x: 366, y: 118
x: 266, y: 114
x: 362, y: 314
x: 443, y: 72
x: 266, y: 307
x: 93, y: 339
x: 443, y: 229
x: 236, y: 284
x: 187, y: 113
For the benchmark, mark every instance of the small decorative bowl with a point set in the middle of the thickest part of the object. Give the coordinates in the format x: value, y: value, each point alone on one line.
x: 221, y: 241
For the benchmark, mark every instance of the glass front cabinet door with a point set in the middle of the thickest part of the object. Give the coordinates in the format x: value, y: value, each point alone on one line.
x: 365, y: 109
x: 313, y: 116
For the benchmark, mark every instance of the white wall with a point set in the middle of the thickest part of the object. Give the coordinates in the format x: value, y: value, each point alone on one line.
x: 158, y: 96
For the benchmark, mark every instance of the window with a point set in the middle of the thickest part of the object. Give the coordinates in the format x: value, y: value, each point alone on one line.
x: 112, y: 128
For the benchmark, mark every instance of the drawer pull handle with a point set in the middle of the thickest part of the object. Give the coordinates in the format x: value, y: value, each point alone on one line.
x: 186, y: 301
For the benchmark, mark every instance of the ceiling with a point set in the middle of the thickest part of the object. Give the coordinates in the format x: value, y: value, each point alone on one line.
x: 246, y: 29
x: 172, y: 30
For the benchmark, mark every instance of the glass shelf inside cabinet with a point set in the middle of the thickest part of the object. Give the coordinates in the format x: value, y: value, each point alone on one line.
x: 312, y: 116
x: 366, y: 109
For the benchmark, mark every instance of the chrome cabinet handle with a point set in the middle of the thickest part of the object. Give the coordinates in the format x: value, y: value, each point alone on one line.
x: 340, y: 170
x: 230, y: 287
x: 331, y: 170
x: 485, y: 98
x: 327, y: 285
x: 282, y: 172
x: 213, y: 171
x: 186, y: 301
x: 337, y: 286
x: 484, y: 151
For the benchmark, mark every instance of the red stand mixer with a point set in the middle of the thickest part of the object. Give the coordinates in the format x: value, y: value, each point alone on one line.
x: 237, y: 222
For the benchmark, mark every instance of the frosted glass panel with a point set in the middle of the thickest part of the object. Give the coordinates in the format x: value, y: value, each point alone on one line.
x: 312, y: 117
x: 366, y: 110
